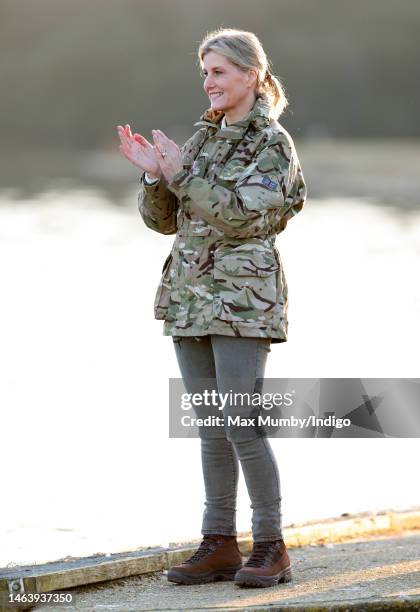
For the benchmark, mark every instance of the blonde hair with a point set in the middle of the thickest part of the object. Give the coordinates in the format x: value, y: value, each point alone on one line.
x: 244, y: 50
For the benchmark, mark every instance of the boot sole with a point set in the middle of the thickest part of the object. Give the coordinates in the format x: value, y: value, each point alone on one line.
x: 214, y: 576
x: 251, y: 580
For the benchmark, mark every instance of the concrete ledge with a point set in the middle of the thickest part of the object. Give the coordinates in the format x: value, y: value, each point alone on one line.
x: 368, y: 573
x: 411, y: 604
x: 75, y: 572
x: 338, y: 530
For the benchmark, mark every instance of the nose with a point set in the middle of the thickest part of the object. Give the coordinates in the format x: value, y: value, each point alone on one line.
x: 208, y: 83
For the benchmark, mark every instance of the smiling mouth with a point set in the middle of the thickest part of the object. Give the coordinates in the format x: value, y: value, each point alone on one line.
x: 216, y: 94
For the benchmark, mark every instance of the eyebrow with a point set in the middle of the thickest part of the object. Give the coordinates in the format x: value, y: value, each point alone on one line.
x: 214, y: 68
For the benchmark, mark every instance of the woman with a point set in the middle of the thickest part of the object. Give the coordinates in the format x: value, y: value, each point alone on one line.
x: 223, y: 294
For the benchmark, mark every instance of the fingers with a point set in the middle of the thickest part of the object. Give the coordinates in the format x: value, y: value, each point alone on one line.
x: 125, y: 132
x: 161, y: 137
x: 159, y: 143
x: 164, y: 144
x: 123, y: 136
x: 122, y: 131
x: 140, y: 139
x: 160, y: 158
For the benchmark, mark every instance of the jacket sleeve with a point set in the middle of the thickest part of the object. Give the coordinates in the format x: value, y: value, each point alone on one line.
x: 263, y: 197
x: 158, y: 206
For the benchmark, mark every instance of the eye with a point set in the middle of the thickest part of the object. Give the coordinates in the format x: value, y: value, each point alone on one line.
x: 204, y: 74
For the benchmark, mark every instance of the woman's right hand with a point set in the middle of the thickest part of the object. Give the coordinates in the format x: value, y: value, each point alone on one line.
x: 139, y: 151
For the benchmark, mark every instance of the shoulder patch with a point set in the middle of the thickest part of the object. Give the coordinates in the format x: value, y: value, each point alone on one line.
x: 269, y: 183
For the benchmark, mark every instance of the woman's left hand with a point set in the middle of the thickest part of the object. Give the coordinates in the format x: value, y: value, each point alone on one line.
x: 168, y: 154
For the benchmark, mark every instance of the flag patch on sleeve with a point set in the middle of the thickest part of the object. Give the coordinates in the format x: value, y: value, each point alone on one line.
x: 270, y: 184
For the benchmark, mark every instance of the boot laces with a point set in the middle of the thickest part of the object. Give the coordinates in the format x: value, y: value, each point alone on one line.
x: 262, y: 553
x: 208, y: 544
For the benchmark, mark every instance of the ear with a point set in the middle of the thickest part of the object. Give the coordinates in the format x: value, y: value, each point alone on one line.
x: 252, y: 77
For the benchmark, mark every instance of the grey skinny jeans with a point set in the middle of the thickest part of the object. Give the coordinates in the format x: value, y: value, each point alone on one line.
x: 233, y: 365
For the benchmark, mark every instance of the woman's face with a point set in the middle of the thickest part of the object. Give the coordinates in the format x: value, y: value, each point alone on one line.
x: 226, y: 85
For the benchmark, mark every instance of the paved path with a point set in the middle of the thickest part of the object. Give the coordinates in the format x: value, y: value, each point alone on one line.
x: 374, y: 573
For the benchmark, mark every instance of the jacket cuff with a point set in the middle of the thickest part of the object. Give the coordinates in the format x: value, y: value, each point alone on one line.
x: 147, y: 180
x: 159, y: 186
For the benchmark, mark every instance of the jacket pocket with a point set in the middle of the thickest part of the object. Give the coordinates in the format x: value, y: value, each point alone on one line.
x: 245, y: 283
x: 163, y: 292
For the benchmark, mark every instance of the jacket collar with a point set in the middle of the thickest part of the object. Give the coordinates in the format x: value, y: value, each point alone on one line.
x: 259, y: 116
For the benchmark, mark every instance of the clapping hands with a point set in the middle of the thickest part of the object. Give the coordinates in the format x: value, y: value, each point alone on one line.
x: 162, y: 158
x: 138, y: 151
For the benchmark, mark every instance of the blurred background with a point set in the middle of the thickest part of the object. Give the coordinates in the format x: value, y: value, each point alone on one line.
x: 87, y: 463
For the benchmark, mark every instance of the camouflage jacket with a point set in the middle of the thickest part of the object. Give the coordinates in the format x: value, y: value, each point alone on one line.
x: 238, y: 188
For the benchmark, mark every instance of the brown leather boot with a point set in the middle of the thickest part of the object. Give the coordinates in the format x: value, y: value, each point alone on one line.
x: 268, y: 565
x: 217, y: 558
